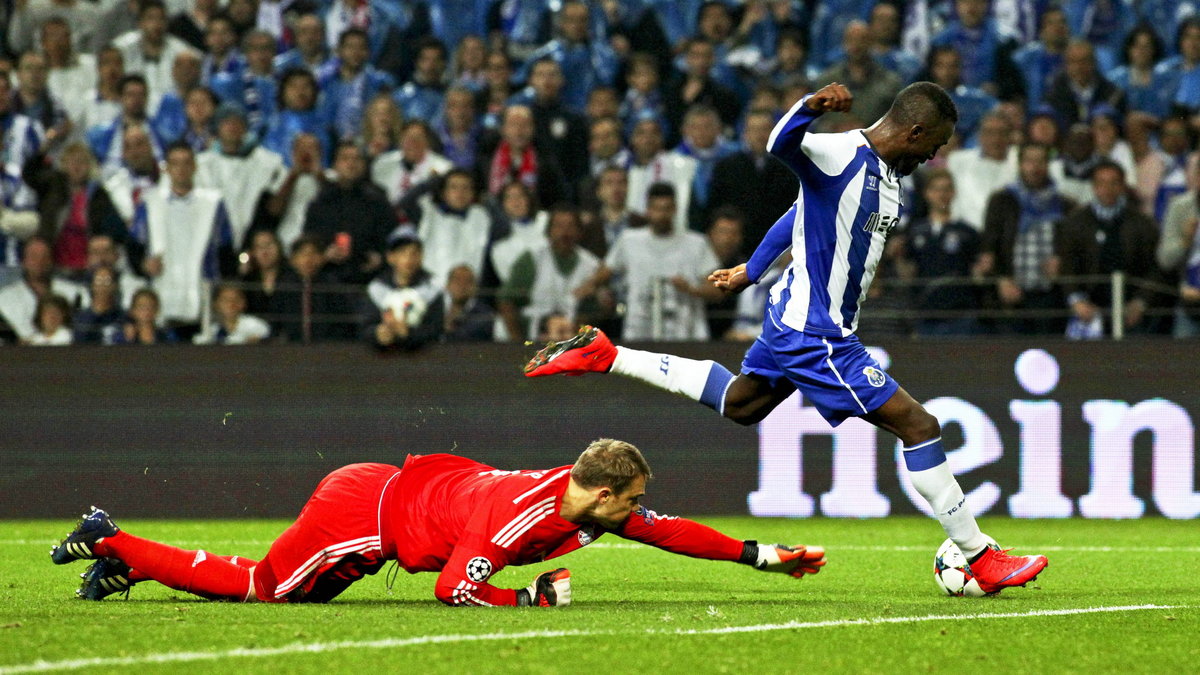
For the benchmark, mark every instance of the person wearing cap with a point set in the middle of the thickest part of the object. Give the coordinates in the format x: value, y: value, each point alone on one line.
x: 240, y: 169
x: 403, y: 308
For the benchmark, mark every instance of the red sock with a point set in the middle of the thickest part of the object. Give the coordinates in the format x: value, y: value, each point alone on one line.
x: 196, y: 572
x: 135, y: 575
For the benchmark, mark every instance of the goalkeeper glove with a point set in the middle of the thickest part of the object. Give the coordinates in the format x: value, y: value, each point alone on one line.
x: 549, y: 589
x: 793, y: 561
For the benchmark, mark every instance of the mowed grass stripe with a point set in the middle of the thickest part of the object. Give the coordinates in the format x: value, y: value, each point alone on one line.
x: 395, y: 643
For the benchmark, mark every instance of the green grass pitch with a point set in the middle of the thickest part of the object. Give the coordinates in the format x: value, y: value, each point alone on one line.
x: 1118, y: 596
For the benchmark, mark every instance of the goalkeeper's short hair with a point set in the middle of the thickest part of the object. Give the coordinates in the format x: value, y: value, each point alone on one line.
x: 610, y: 463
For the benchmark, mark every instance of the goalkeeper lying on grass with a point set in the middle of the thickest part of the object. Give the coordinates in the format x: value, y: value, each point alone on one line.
x: 438, y: 513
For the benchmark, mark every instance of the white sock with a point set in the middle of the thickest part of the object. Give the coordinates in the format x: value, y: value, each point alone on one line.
x: 938, y: 486
x: 703, y: 381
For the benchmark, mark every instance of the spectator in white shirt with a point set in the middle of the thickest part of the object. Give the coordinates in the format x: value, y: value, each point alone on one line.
x: 232, y: 325
x: 980, y: 171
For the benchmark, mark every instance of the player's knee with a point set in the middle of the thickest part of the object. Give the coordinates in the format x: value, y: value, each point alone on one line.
x: 922, y: 427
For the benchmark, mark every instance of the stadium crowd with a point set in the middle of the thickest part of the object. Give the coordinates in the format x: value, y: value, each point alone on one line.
x: 232, y: 171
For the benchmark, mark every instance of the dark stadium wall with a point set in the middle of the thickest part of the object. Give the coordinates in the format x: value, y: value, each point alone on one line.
x: 1085, y: 429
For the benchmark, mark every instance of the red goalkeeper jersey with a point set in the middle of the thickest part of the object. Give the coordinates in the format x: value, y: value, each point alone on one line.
x: 468, y: 520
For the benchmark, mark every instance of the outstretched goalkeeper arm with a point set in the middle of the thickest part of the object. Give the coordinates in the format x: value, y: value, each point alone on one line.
x: 687, y: 537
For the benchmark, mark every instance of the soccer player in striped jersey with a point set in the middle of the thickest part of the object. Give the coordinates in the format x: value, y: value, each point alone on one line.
x: 850, y: 198
x: 437, y: 513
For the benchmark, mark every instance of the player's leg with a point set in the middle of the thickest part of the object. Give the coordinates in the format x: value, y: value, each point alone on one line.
x: 194, y: 571
x: 746, y: 398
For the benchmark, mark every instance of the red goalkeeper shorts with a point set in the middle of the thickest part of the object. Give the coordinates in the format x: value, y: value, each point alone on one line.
x: 334, y: 541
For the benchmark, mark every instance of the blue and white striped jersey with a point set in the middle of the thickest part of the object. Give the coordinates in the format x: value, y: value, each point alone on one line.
x: 849, y: 200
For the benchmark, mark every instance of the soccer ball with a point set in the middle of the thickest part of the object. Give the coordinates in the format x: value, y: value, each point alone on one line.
x: 952, y: 572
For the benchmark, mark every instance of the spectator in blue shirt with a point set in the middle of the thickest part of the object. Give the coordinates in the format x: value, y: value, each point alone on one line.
x: 220, y: 40
x: 678, y: 19
x: 986, y: 53
x: 458, y: 128
x: 827, y: 27
x: 1105, y: 23
x: 945, y: 69
x: 1040, y: 61
x: 421, y: 98
x: 310, y: 52
x: 254, y: 89
x: 1175, y: 68
x: 885, y: 43
x: 348, y: 82
x: 298, y: 113
x: 1147, y: 89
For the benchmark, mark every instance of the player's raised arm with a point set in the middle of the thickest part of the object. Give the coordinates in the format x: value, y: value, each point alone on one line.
x: 687, y: 537
x: 788, y: 133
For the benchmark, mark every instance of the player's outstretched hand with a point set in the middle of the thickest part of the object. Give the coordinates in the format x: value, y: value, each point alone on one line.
x: 549, y: 589
x: 732, y: 280
x: 833, y: 97
x: 795, y: 561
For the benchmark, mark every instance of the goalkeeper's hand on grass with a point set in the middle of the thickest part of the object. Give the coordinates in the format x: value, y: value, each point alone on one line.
x: 795, y: 561
x: 549, y: 589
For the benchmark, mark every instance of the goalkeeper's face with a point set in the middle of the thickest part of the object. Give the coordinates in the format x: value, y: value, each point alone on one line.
x: 612, y: 509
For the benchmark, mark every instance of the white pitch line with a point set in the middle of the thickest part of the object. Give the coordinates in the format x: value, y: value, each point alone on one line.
x: 392, y: 643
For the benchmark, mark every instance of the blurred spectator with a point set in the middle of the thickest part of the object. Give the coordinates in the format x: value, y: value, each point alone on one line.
x: 260, y: 268
x: 453, y: 228
x: 678, y: 19
x: 652, y: 165
x: 1080, y: 88
x: 551, y: 279
x: 555, y: 328
x: 663, y: 271
x: 1042, y: 127
x: 244, y: 14
x: 1107, y: 137
x: 189, y: 25
x: 187, y: 238
x: 1147, y: 89
x: 136, y: 174
x: 790, y: 62
x: 100, y: 321
x: 945, y: 70
x: 19, y: 298
x: 200, y: 112
x: 389, y: 29
x: 107, y: 142
x: 458, y: 128
x: 517, y: 158
x: 22, y: 136
x: 352, y: 217
x: 827, y: 27
x: 874, y: 86
x: 310, y: 52
x: 241, y: 171
x: 382, y: 127
x: 70, y: 71
x: 611, y: 214
x: 467, y: 319
x: 1040, y: 62
x: 102, y: 104
x: 759, y: 185
x: 1104, y: 23
x: 231, y: 324
x: 72, y: 204
x: 1072, y: 170
x: 884, y: 26
x: 1178, y: 254
x: 986, y: 52
x: 149, y: 51
x: 1108, y: 234
x: 404, y: 307
x: 469, y: 66
x: 696, y: 85
x: 602, y: 102
x: 24, y: 18
x: 116, y: 19
x: 557, y: 130
x: 33, y: 99
x: 703, y: 142
x: 587, y: 57
x: 254, y: 88
x: 1162, y: 173
x: 298, y: 113
x: 141, y: 326
x: 725, y: 236
x: 19, y: 217
x: 521, y: 25
x: 1182, y: 66
x: 643, y: 95
x: 289, y: 202
x: 497, y: 90
x: 605, y: 146
x: 399, y: 171
x: 1018, y: 244
x: 526, y: 226
x: 52, y: 321
x: 309, y: 304
x: 940, y: 247
x: 348, y: 82
x: 421, y: 97
x: 220, y: 46
x: 170, y: 119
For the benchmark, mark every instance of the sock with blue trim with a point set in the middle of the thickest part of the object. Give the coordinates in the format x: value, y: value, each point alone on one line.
x: 931, y: 476
x: 703, y: 381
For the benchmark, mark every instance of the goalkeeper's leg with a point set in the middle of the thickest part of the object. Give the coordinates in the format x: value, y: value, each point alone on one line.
x: 198, y: 572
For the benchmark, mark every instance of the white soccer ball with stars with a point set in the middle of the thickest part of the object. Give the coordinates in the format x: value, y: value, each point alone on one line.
x: 952, y: 573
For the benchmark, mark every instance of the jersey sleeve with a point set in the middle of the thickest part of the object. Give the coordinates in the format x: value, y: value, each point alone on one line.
x: 787, y: 138
x: 777, y: 240
x: 463, y: 582
x: 679, y: 535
